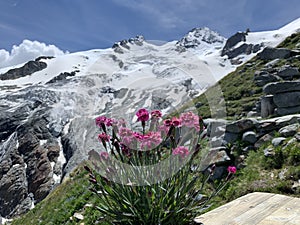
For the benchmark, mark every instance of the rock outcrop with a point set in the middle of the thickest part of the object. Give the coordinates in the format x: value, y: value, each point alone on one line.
x: 232, y: 51
x: 251, y: 131
x: 30, y: 166
x: 122, y: 45
x: 276, y: 53
x: 28, y: 69
x: 284, y: 98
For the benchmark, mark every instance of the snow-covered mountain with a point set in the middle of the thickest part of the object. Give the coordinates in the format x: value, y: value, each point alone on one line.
x: 48, y: 105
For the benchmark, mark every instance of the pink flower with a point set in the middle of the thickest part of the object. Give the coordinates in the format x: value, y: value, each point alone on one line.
x: 100, y: 120
x: 150, y: 140
x: 103, y: 120
x: 167, y: 122
x: 124, y: 131
x: 189, y: 119
x: 138, y: 135
x: 125, y: 150
x: 231, y: 169
x: 103, y: 137
x: 176, y: 122
x: 164, y: 130
x: 181, y: 150
x: 143, y: 115
x: 109, y: 122
x: 126, y: 135
x: 172, y: 122
x: 156, y: 114
x: 104, y: 155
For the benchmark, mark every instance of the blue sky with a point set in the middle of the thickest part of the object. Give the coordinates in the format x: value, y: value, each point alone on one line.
x: 76, y: 25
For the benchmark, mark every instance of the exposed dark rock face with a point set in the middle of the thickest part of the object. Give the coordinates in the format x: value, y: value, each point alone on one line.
x: 28, y: 150
x: 62, y: 76
x: 28, y: 69
x: 287, y: 99
x: 276, y: 53
x: 233, y: 40
x: 281, y: 87
x: 243, y: 49
x: 119, y: 47
x: 232, y: 52
x: 43, y: 57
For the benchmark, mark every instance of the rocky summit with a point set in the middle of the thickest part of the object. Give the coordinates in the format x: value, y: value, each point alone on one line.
x: 48, y: 105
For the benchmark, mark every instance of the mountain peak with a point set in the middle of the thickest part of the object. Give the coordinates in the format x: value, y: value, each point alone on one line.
x: 198, y: 36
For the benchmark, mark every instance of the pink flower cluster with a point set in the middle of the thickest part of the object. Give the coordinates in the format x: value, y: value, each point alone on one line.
x: 181, y: 151
x: 104, y: 155
x: 189, y: 119
x: 103, y: 120
x: 103, y: 137
x: 150, y: 140
x: 129, y: 139
x: 172, y: 122
x: 126, y: 135
x: 146, y: 141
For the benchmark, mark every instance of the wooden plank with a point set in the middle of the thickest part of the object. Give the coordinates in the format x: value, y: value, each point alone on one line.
x: 255, y: 209
x: 260, y: 211
x: 233, y: 209
x: 288, y: 213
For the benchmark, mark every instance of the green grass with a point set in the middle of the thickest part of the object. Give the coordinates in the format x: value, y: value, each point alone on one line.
x: 291, y: 41
x: 261, y: 173
x: 59, y: 207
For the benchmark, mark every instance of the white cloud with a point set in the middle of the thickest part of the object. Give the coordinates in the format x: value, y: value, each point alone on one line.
x: 27, y: 50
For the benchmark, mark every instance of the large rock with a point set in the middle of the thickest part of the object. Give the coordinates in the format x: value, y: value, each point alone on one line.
x: 241, y: 126
x: 262, y: 78
x: 280, y: 87
x: 274, y: 53
x: 289, y: 130
x: 250, y: 137
x: 266, y: 126
x: 278, y: 141
x: 26, y: 173
x: 216, y: 156
x: 214, y: 126
x: 287, y: 99
x: 267, y: 106
x: 264, y: 139
x: 288, y: 72
x: 287, y: 111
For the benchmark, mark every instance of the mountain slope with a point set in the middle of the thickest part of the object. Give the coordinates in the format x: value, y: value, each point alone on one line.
x: 240, y: 88
x: 47, y: 113
x: 258, y: 172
